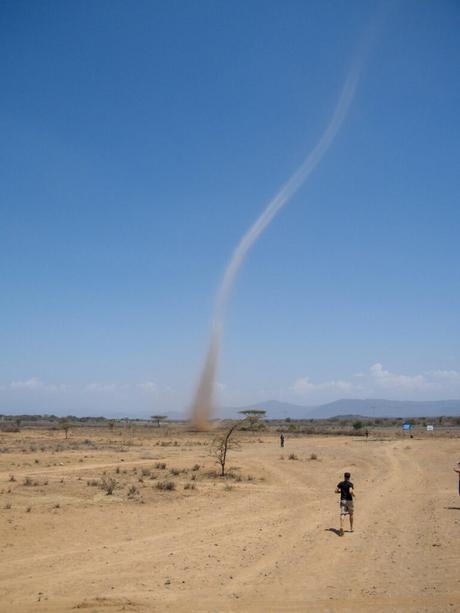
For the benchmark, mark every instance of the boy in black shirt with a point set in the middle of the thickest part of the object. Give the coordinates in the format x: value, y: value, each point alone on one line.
x: 346, y: 490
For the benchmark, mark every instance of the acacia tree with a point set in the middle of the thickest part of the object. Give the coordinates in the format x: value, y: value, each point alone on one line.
x: 253, y: 416
x: 65, y: 425
x: 159, y: 419
x: 222, y: 444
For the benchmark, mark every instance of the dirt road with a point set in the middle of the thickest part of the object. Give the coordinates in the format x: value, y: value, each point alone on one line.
x: 267, y: 543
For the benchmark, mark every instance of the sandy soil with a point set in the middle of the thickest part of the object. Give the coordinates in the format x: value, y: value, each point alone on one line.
x: 265, y: 541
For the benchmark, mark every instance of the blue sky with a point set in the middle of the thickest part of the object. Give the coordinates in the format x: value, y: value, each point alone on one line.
x: 140, y: 140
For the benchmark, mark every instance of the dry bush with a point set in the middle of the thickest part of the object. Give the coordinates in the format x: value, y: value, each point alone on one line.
x: 12, y: 478
x: 29, y: 509
x: 175, y: 472
x: 189, y: 486
x: 146, y: 472
x: 166, y: 485
x: 28, y: 481
x: 196, y: 467
x: 132, y: 491
x: 313, y: 456
x: 292, y: 456
x: 228, y: 487
x: 8, y: 505
x: 108, y: 485
x: 9, y: 427
x: 93, y: 482
x: 160, y: 465
x: 212, y: 474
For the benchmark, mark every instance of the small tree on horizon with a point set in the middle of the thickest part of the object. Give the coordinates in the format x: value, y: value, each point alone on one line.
x: 253, y: 416
x: 159, y: 419
x: 65, y: 426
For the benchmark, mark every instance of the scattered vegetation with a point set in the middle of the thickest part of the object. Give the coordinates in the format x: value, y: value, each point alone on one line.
x: 132, y: 491
x: 108, y: 484
x: 166, y: 485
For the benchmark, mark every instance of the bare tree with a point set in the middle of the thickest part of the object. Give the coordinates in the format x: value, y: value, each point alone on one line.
x: 222, y: 444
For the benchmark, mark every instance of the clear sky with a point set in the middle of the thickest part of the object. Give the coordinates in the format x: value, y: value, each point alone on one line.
x: 139, y: 140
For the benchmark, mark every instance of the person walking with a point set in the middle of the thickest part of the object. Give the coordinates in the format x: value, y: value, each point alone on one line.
x: 457, y: 470
x: 282, y: 439
x: 347, y: 493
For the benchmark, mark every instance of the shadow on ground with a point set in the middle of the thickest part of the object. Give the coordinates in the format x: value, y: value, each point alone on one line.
x: 334, y: 530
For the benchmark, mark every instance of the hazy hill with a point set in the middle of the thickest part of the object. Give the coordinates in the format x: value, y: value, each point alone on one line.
x: 371, y: 407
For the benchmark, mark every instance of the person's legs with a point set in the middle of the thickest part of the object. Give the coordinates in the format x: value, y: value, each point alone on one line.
x: 343, y: 512
x: 351, y: 522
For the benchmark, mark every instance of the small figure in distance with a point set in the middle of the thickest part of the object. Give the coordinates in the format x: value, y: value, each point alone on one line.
x: 367, y: 434
x: 282, y: 439
x: 457, y: 470
x: 346, y: 490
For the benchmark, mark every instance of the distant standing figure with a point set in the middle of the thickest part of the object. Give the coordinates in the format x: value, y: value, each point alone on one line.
x: 367, y: 434
x: 346, y: 490
x: 282, y: 439
x: 457, y: 470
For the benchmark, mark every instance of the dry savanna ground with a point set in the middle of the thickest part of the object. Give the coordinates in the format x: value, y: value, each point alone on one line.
x: 263, y: 539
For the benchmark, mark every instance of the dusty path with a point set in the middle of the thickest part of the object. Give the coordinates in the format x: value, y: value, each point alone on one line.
x: 267, y: 544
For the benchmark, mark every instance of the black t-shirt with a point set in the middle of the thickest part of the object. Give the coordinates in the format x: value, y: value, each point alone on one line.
x: 344, y: 487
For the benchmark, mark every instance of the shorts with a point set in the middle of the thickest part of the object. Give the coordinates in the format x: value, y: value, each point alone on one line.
x: 346, y: 507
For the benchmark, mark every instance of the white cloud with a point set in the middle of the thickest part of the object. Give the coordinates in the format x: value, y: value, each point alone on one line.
x: 101, y: 387
x: 148, y: 386
x: 378, y: 380
x: 386, y: 379
x: 34, y: 384
x: 449, y: 375
x: 303, y: 386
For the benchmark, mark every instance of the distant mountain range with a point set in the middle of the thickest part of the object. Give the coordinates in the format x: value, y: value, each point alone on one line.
x: 370, y: 407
